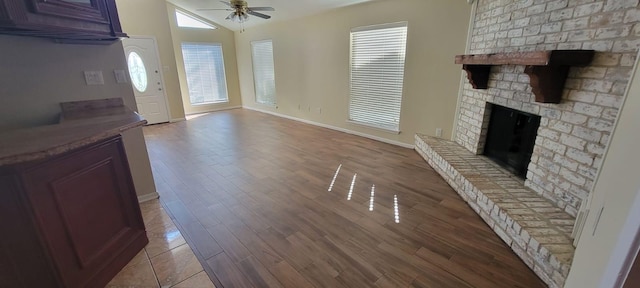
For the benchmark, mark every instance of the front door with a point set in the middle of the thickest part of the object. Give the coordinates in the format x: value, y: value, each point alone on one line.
x: 146, y: 78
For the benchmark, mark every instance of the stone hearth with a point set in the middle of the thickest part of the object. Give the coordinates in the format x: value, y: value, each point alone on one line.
x: 536, y: 229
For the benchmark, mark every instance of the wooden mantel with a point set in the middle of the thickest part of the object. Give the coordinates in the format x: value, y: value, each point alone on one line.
x: 548, y: 70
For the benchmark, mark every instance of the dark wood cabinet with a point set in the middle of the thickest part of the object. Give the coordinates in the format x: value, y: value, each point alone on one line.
x: 61, y: 19
x: 69, y: 221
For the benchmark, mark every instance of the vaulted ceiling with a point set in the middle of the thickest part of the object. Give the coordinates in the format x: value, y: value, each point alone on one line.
x: 285, y: 9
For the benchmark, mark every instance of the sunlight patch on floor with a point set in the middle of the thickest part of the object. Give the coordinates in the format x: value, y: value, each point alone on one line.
x: 334, y: 178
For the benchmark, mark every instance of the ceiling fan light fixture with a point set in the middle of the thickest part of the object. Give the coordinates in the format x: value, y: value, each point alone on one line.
x: 238, y: 17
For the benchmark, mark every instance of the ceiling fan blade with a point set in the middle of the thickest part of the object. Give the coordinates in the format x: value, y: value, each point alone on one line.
x: 263, y: 16
x: 230, y: 16
x: 212, y: 9
x: 228, y: 4
x: 262, y: 8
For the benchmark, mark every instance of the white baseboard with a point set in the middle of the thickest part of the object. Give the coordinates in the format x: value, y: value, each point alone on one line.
x: 148, y: 197
x: 372, y: 137
x: 214, y: 110
x: 177, y: 120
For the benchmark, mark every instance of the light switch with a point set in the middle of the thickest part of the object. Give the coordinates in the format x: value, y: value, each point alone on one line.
x: 121, y: 76
x: 94, y: 77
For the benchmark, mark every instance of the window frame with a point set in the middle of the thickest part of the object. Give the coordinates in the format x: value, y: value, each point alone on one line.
x: 386, y: 128
x: 224, y: 72
x: 208, y: 25
x: 253, y: 63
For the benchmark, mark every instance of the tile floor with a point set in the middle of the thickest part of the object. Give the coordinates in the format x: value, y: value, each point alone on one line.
x: 167, y: 261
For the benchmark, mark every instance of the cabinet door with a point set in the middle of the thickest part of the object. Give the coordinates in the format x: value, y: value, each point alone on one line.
x: 87, y: 10
x: 86, y: 209
x: 20, y: 251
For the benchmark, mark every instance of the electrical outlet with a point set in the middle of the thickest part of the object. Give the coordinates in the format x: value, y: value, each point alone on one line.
x: 438, y: 132
x: 94, y: 77
x: 121, y: 76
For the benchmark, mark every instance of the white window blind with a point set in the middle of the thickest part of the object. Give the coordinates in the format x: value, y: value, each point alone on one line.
x: 263, y: 72
x: 204, y: 65
x: 377, y: 75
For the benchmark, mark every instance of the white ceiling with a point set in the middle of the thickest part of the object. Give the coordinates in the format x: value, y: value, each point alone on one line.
x: 285, y: 9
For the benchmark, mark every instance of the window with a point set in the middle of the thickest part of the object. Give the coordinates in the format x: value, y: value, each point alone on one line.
x: 187, y: 21
x: 137, y: 71
x: 377, y: 75
x: 263, y: 72
x: 204, y: 67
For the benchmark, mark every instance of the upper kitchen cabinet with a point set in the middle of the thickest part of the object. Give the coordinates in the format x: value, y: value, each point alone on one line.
x: 61, y: 19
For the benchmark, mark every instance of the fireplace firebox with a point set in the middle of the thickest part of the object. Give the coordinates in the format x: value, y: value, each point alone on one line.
x: 511, y: 138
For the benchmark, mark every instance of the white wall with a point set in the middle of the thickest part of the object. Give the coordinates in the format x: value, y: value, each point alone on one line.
x: 600, y: 253
x: 37, y: 74
x: 311, y: 57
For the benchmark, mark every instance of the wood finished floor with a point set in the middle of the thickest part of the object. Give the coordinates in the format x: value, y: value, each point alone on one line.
x: 249, y: 192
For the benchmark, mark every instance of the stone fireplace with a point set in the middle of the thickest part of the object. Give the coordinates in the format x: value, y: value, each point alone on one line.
x: 535, y: 215
x: 571, y: 138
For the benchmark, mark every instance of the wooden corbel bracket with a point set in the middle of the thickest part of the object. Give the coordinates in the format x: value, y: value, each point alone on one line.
x: 478, y: 75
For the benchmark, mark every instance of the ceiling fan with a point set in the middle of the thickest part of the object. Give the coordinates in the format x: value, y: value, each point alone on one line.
x: 240, y: 11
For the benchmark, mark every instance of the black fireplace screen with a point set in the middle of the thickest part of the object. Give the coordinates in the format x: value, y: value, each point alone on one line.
x: 511, y: 137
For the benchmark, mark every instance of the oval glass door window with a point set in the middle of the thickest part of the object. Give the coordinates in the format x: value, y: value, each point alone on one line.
x: 137, y: 71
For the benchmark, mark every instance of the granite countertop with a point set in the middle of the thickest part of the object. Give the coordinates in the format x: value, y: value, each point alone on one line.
x: 79, y: 126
